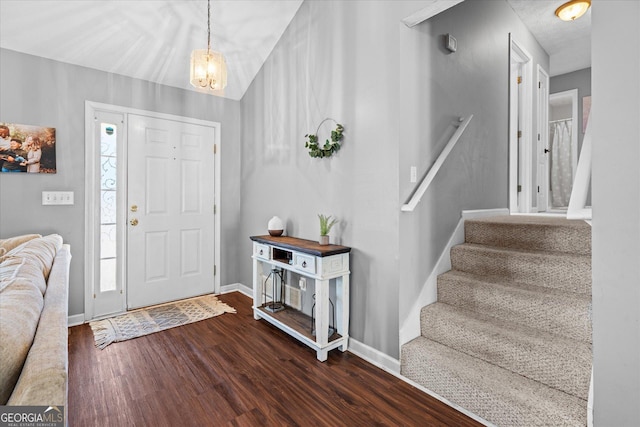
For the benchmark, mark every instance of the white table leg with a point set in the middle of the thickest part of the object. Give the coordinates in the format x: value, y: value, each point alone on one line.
x: 322, y: 314
x: 342, y: 309
x: 256, y: 289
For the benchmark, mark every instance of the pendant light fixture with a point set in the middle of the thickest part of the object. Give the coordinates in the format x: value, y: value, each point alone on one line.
x: 573, y: 9
x: 208, y: 67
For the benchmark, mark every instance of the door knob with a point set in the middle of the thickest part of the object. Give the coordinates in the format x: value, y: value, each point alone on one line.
x: 134, y: 208
x: 134, y: 222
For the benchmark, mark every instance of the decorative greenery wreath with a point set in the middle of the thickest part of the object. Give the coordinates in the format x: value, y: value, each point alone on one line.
x: 326, y: 150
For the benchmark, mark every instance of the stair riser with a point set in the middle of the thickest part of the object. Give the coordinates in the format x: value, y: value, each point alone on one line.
x: 559, y: 364
x: 568, y: 317
x: 568, y: 273
x: 526, y: 236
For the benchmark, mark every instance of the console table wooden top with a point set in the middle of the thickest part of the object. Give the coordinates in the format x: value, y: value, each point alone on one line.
x: 302, y: 245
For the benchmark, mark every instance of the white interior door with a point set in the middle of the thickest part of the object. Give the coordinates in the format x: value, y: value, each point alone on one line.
x: 170, y: 208
x: 521, y: 196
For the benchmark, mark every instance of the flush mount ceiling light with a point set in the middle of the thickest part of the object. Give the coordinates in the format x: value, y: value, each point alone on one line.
x: 208, y: 68
x: 573, y: 9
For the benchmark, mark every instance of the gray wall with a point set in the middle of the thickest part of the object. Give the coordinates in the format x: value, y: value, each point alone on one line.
x: 340, y: 60
x: 396, y: 91
x: 43, y: 92
x: 616, y: 213
x: 436, y: 88
x: 580, y: 80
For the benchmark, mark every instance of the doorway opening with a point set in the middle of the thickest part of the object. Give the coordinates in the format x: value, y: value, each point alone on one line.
x: 563, y: 148
x: 152, y: 192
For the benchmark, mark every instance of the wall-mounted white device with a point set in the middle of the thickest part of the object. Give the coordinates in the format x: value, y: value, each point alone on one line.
x: 450, y: 42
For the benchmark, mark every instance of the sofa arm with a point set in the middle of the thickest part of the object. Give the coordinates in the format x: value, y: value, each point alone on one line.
x: 44, y: 377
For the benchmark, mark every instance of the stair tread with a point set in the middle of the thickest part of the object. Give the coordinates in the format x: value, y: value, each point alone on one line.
x: 543, y: 220
x: 559, y: 362
x: 516, y: 286
x: 523, y: 251
x: 531, y: 232
x: 569, y: 272
x: 554, y: 311
x: 495, y: 394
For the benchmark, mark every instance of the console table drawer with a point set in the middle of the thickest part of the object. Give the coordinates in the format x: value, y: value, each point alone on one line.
x: 305, y: 263
x: 335, y: 264
x: 262, y: 251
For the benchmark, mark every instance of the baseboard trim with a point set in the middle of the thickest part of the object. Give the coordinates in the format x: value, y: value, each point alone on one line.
x: 239, y: 287
x: 375, y: 357
x: 392, y: 366
x: 363, y: 351
x: 75, y: 320
x: 484, y: 213
x: 445, y: 401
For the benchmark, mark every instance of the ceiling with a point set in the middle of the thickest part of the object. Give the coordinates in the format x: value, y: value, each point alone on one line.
x: 148, y: 39
x: 567, y: 43
x: 153, y: 39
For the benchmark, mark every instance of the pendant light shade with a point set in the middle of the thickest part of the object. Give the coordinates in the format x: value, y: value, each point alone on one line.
x: 208, y: 67
x: 573, y: 9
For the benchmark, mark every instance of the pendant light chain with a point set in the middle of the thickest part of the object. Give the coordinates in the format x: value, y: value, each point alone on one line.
x: 208, y: 26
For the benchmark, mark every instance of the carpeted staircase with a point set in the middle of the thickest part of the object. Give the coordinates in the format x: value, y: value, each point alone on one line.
x: 509, y: 338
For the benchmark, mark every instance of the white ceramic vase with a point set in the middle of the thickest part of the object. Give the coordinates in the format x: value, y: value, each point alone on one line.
x: 275, y: 226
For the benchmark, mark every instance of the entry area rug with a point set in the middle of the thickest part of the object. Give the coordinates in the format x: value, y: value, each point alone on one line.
x: 157, y: 318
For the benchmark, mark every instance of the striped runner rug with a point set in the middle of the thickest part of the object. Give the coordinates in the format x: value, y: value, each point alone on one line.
x: 156, y: 318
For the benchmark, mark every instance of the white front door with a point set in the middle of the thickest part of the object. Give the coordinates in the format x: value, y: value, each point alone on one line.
x: 170, y: 210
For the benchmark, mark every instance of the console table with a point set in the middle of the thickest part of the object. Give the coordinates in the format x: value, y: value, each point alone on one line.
x: 312, y: 260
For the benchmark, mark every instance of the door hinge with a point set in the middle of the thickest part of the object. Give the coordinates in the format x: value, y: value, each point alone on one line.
x: 519, y: 188
x: 538, y: 137
x: 519, y: 134
x: 215, y: 209
x: 519, y: 79
x: 215, y: 269
x: 538, y: 188
x: 539, y: 86
x: 94, y: 296
x: 215, y: 148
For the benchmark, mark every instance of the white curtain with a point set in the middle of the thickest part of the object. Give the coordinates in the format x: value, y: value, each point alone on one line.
x: 561, y: 163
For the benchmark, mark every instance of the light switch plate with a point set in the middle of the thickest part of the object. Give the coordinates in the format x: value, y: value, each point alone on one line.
x: 57, y: 197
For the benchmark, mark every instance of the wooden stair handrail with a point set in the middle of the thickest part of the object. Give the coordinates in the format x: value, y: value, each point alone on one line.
x: 426, y: 181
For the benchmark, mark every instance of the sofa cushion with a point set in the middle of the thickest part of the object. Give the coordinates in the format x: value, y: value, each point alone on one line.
x: 21, y: 303
x: 10, y: 243
x: 23, y: 274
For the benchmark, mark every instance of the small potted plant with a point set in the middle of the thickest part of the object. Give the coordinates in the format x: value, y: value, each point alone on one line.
x: 326, y: 222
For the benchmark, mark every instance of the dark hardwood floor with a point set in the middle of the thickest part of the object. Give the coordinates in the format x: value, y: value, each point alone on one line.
x: 236, y: 371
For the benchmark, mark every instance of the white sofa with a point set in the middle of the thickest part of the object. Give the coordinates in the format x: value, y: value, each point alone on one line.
x: 34, y: 281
